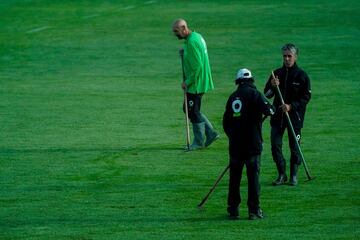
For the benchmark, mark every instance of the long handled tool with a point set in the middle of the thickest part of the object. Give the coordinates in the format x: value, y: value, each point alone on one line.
x: 185, y: 103
x: 214, y: 186
x: 293, y: 133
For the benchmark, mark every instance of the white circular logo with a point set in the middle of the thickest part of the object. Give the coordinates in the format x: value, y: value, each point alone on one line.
x: 236, y: 106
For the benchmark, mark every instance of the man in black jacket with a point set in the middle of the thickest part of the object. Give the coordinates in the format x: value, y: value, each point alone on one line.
x: 242, y: 122
x: 294, y: 85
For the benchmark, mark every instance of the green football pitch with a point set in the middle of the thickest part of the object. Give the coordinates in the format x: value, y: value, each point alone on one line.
x: 92, y: 129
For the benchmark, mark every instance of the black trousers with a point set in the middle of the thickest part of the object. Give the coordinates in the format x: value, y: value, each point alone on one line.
x: 252, y: 171
x: 194, y: 105
x: 277, y: 133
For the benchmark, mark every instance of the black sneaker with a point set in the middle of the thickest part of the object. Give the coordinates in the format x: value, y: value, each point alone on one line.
x: 233, y: 213
x: 281, y: 180
x: 256, y: 215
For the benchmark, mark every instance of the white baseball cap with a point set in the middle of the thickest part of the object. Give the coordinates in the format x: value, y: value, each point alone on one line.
x: 243, y: 73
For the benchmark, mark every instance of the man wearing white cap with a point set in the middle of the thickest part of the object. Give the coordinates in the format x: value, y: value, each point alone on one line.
x: 242, y: 122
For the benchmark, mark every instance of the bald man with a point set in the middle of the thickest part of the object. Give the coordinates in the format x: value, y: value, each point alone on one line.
x: 197, y: 82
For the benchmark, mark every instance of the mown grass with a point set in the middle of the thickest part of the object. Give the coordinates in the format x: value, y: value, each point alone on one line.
x: 91, y: 126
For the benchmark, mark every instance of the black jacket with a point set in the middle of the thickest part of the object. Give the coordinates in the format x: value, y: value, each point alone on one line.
x: 242, y: 120
x: 296, y: 91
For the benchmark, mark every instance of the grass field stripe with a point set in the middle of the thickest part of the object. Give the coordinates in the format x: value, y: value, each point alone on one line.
x: 91, y: 16
x: 150, y: 2
x: 129, y: 7
x: 37, y: 29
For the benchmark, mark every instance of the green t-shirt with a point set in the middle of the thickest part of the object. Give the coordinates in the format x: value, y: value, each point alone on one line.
x: 196, y: 65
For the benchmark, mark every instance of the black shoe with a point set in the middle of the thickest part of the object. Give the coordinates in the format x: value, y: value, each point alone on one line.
x: 281, y: 179
x: 256, y: 215
x: 233, y: 213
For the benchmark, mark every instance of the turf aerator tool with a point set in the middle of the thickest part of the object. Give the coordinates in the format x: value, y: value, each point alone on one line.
x: 201, y: 204
x: 187, y: 127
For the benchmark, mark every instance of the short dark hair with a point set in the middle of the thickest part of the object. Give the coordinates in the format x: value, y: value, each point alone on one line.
x: 290, y: 47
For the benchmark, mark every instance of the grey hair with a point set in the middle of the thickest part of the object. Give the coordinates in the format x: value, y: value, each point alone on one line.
x: 290, y: 47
